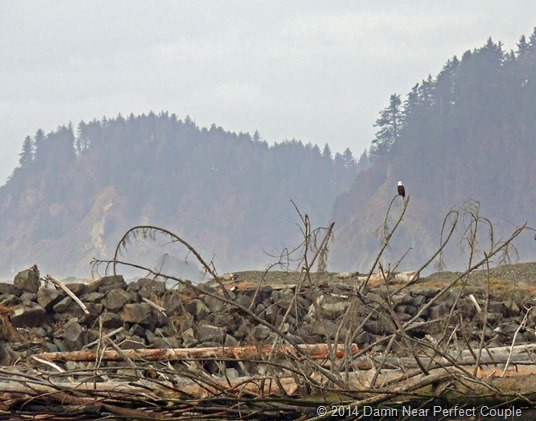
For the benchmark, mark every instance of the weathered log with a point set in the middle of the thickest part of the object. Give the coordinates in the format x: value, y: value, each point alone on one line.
x: 248, y: 352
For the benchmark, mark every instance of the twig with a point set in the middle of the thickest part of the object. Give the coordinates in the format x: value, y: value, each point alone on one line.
x: 106, y: 336
x: 155, y: 306
x: 521, y: 325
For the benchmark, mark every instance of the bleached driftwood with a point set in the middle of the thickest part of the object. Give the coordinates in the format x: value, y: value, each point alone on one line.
x: 251, y: 352
x: 68, y: 292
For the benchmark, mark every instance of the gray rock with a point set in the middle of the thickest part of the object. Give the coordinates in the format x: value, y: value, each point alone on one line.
x: 62, y: 305
x: 50, y: 347
x: 402, y: 298
x: 77, y: 288
x: 7, y: 355
x: 60, y: 345
x: 150, y: 286
x: 231, y: 373
x: 375, y: 327
x: 116, y: 299
x: 23, y: 316
x: 95, y: 310
x: 282, y: 299
x: 334, y: 310
x: 164, y: 343
x: 224, y: 320
x: 408, y: 309
x: 173, y: 304
x: 438, y: 311
x: 403, y: 317
x: 230, y: 341
x: 244, y: 300
x: 509, y: 328
x: 150, y: 336
x: 9, y: 289
x: 214, y: 305
x: 325, y: 328
x: 41, y: 332
x: 47, y: 297
x: 111, y: 320
x: 74, y: 337
x: 197, y: 308
x: 261, y: 332
x: 426, y: 292
x: 188, y: 338
x: 28, y: 280
x: 28, y: 297
x: 107, y: 283
x: 134, y: 342
x: 92, y: 297
x: 418, y: 300
x: 495, y: 307
x: 206, y: 333
x: 9, y: 300
x: 74, y: 310
x: 137, y: 313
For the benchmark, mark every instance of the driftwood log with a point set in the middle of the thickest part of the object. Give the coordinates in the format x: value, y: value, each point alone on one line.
x: 248, y: 352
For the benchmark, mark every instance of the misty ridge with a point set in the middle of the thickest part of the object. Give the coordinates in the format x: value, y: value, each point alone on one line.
x: 76, y: 192
x: 467, y: 133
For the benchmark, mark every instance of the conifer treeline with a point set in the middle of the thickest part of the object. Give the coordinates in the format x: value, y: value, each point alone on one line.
x: 228, y: 193
x: 467, y: 133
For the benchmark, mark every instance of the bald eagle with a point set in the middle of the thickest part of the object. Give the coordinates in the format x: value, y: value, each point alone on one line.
x: 401, y: 189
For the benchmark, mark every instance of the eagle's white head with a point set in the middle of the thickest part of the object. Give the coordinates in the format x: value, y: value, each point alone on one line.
x: 400, y: 183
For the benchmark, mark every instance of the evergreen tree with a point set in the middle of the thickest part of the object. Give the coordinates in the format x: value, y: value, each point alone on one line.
x: 390, y: 123
x: 27, y: 153
x: 326, y: 152
x: 522, y: 46
x: 348, y: 158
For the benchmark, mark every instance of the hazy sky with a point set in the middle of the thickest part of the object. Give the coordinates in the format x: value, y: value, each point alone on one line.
x: 319, y: 71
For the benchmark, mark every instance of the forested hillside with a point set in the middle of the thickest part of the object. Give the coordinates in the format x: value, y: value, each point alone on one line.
x: 75, y: 192
x: 467, y: 133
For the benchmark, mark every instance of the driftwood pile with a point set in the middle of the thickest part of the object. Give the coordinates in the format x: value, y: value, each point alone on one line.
x: 265, y: 351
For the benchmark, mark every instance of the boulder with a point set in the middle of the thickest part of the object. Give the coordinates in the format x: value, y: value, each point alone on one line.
x: 166, y: 342
x: 214, y: 305
x: 28, y: 297
x: 334, y: 309
x: 62, y: 305
x: 47, y: 297
x: 197, y: 308
x: 95, y: 310
x: 74, y: 337
x: 173, y: 304
x: 116, y: 299
x: 28, y: 280
x: 137, y: 313
x: 9, y: 299
x: 92, y: 297
x: 107, y: 283
x: 134, y: 342
x: 9, y: 289
x: 149, y: 286
x: 7, y: 355
x: 209, y: 333
x: 25, y: 316
x: 188, y: 338
x: 261, y: 332
x: 77, y: 288
x: 111, y: 320
x: 230, y: 341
